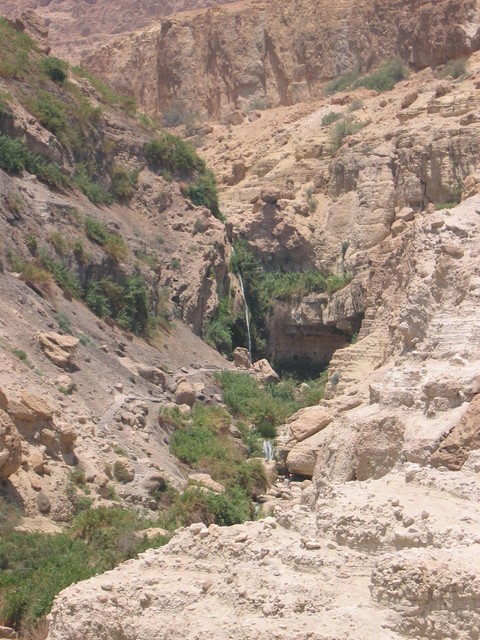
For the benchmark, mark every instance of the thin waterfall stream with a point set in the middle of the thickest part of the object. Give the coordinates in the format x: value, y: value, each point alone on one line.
x: 247, y: 313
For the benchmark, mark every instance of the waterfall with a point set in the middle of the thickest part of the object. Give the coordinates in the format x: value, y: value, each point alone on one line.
x: 267, y: 450
x: 247, y: 313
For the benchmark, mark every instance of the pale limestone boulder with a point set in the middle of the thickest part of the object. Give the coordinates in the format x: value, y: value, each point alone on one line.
x: 36, y: 461
x: 10, y: 447
x: 241, y: 359
x: 37, y: 405
x: 264, y: 372
x: 302, y: 458
x: 207, y: 481
x: 308, y: 421
x: 185, y: 394
x: 58, y: 348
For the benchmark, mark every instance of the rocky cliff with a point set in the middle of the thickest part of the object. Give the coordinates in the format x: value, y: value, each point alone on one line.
x: 251, y: 55
x: 76, y: 28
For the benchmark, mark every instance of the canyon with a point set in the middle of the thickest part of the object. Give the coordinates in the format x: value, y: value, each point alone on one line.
x: 374, y: 530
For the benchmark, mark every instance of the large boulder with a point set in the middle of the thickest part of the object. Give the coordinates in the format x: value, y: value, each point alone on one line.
x: 308, y: 421
x: 264, y: 373
x: 58, y: 348
x: 241, y: 359
x: 10, y: 447
x: 185, y: 394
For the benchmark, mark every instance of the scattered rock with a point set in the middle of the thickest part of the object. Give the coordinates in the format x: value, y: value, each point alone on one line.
x: 10, y: 447
x: 58, y: 348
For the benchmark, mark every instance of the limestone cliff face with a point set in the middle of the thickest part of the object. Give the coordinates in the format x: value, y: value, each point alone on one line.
x: 252, y: 54
x: 77, y: 27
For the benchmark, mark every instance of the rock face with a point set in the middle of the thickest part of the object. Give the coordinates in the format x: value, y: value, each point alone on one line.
x: 252, y: 55
x: 77, y: 29
x: 10, y: 447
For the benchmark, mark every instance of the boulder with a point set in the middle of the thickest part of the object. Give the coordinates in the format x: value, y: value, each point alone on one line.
x: 379, y: 444
x: 43, y: 503
x: 263, y: 371
x: 207, y: 481
x: 271, y: 194
x: 302, y: 458
x: 152, y: 374
x: 58, y: 348
x: 241, y: 359
x: 308, y: 421
x: 185, y: 394
x: 37, y: 405
x: 10, y: 447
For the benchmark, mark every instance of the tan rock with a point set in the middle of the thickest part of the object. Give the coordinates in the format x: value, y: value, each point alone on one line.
x: 263, y: 371
x: 241, y: 358
x: 36, y: 461
x: 185, y: 394
x: 206, y: 480
x: 307, y: 422
x: 39, y: 406
x: 58, y: 348
x: 10, y: 447
x: 462, y: 439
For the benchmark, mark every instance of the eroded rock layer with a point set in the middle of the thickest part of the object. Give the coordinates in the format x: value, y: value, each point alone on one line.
x: 252, y: 54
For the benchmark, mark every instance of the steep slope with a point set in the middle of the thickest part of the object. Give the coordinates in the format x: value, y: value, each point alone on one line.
x: 250, y: 55
x: 78, y: 27
x: 93, y: 289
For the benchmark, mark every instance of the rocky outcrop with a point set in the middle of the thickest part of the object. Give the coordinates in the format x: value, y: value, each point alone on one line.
x: 252, y: 55
x: 10, y: 447
x: 58, y: 348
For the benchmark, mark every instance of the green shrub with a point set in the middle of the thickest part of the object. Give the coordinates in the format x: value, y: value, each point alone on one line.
x: 63, y: 276
x: 17, y: 47
x: 124, y: 182
x: 121, y: 472
x: 95, y: 230
x: 386, y: 77
x: 355, y: 105
x: 13, y: 154
x: 64, y: 322
x: 342, y: 129
x: 192, y: 444
x: 263, y: 406
x: 330, y: 118
x: 115, y: 247
x: 342, y: 82
x: 90, y: 188
x: 49, y: 111
x: 203, y: 192
x: 218, y: 330
x: 54, y: 68
x: 15, y: 157
x: 173, y: 154
x: 454, y: 68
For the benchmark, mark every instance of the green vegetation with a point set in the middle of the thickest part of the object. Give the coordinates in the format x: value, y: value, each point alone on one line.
x: 330, y: 118
x: 15, y: 61
x: 15, y: 157
x: 267, y: 407
x: 49, y: 111
x: 311, y: 201
x: 94, y: 191
x: 342, y: 129
x: 107, y: 94
x: 386, y: 77
x: 342, y: 82
x: 64, y: 322
x: 125, y: 301
x: 35, y: 567
x: 124, y: 182
x: 178, y: 114
x: 383, y: 79
x: 203, y: 192
x: 454, y: 68
x: 174, y: 156
x: 54, y: 68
